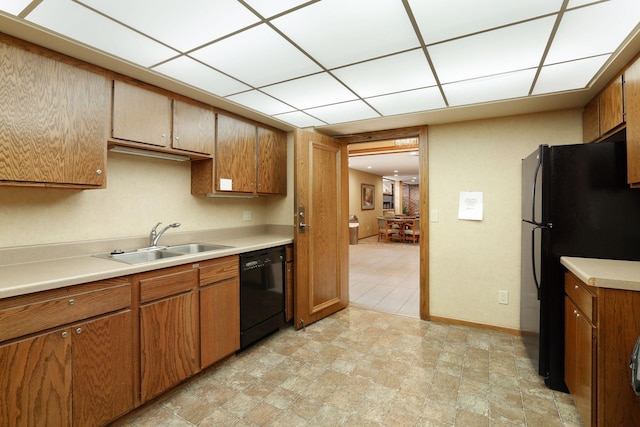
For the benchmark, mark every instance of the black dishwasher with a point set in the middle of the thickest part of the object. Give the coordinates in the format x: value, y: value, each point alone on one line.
x: 261, y: 294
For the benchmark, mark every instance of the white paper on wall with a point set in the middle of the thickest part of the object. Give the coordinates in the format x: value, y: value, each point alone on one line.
x: 471, y: 205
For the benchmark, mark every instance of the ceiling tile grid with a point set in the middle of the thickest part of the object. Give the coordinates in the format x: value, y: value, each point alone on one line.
x: 325, y: 62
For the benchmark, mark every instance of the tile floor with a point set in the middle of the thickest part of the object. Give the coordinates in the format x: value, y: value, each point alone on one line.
x: 361, y: 367
x: 385, y: 276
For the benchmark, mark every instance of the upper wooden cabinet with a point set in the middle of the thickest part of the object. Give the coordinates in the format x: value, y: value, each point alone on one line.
x: 141, y: 115
x: 604, y: 112
x: 249, y: 159
x: 54, y: 120
x: 632, y: 108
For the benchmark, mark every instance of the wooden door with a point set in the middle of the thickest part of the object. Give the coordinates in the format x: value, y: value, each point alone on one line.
x: 321, y: 233
x: 35, y: 381
x: 102, y: 369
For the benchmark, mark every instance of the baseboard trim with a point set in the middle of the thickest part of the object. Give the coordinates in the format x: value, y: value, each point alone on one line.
x: 450, y: 321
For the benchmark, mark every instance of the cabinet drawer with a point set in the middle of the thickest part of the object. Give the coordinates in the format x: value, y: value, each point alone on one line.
x: 50, y: 312
x: 580, y: 295
x: 219, y: 269
x: 171, y: 281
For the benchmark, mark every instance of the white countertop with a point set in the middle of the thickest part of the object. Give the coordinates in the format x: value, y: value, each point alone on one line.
x: 28, y: 277
x: 605, y: 273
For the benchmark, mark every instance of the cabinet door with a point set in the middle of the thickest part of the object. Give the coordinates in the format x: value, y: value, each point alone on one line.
x: 219, y: 320
x: 141, y: 115
x: 102, y: 369
x: 272, y: 162
x: 35, y: 381
x: 168, y: 343
x: 632, y: 108
x: 579, y: 355
x: 235, y: 155
x: 193, y: 128
x: 54, y: 122
x: 611, y: 106
x: 591, y: 121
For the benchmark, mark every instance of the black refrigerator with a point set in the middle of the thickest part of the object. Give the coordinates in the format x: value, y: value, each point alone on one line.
x: 575, y: 202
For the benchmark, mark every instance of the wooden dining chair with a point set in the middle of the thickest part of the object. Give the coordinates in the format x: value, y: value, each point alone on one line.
x: 386, y: 230
x: 412, y: 230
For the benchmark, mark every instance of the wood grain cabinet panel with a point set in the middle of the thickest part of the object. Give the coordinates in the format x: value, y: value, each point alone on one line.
x: 272, y: 162
x: 235, y: 155
x: 611, y: 106
x: 141, y: 115
x: 169, y: 343
x: 35, y: 381
x: 632, y: 109
x: 193, y: 128
x: 591, y: 120
x: 54, y: 119
x: 597, y: 353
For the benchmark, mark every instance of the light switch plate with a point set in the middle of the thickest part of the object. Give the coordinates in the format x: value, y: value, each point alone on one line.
x: 246, y: 215
x: 434, y: 215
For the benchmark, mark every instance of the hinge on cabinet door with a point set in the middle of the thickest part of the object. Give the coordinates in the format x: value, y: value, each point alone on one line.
x: 302, y: 324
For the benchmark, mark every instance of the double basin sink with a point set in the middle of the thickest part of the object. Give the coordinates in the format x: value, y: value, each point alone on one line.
x: 155, y: 253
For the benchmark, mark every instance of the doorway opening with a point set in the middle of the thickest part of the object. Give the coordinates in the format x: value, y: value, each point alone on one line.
x: 383, y: 276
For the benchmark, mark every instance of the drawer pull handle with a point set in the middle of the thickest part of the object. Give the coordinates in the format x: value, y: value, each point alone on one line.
x: 575, y: 286
x: 64, y: 334
x: 78, y: 331
x: 72, y: 301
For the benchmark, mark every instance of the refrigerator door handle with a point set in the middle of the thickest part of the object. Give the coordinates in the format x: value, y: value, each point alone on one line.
x: 533, y: 252
x: 535, y: 185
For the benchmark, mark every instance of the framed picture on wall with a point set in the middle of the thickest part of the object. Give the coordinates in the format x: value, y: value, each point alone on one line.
x: 368, y: 196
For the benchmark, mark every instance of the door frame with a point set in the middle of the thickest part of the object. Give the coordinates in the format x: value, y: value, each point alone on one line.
x: 420, y: 132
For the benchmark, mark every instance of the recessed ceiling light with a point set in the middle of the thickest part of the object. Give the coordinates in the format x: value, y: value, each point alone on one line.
x: 395, y: 171
x: 368, y: 167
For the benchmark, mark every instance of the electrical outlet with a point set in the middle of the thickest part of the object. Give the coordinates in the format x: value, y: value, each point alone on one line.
x: 246, y: 215
x: 503, y: 297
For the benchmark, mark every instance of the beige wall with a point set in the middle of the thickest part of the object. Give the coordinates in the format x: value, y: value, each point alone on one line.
x: 470, y: 261
x: 367, y: 219
x: 140, y: 192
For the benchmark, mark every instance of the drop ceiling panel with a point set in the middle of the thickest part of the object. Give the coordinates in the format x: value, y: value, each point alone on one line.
x: 568, y: 75
x: 299, y: 119
x: 499, y: 51
x: 435, y: 17
x: 343, y: 112
x: 14, y: 6
x: 410, y: 70
x: 261, y: 102
x: 273, y: 7
x: 79, y: 23
x: 258, y: 56
x: 312, y: 91
x: 338, y: 32
x: 183, y: 25
x: 593, y: 30
x: 200, y: 76
x: 408, y: 102
x: 487, y: 89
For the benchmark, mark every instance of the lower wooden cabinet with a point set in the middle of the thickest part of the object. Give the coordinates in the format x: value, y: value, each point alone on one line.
x: 168, y: 329
x: 601, y: 329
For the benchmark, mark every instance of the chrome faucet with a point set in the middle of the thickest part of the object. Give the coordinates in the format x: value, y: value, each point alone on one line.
x: 155, y: 236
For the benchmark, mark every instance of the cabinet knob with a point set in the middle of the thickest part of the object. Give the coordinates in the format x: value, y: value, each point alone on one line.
x: 162, y: 136
x: 64, y: 334
x: 99, y: 172
x: 72, y: 301
x: 177, y: 138
x: 78, y: 331
x: 575, y: 286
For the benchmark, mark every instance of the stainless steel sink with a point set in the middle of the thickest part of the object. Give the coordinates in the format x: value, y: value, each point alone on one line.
x: 142, y: 256
x: 154, y: 254
x: 196, y: 248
